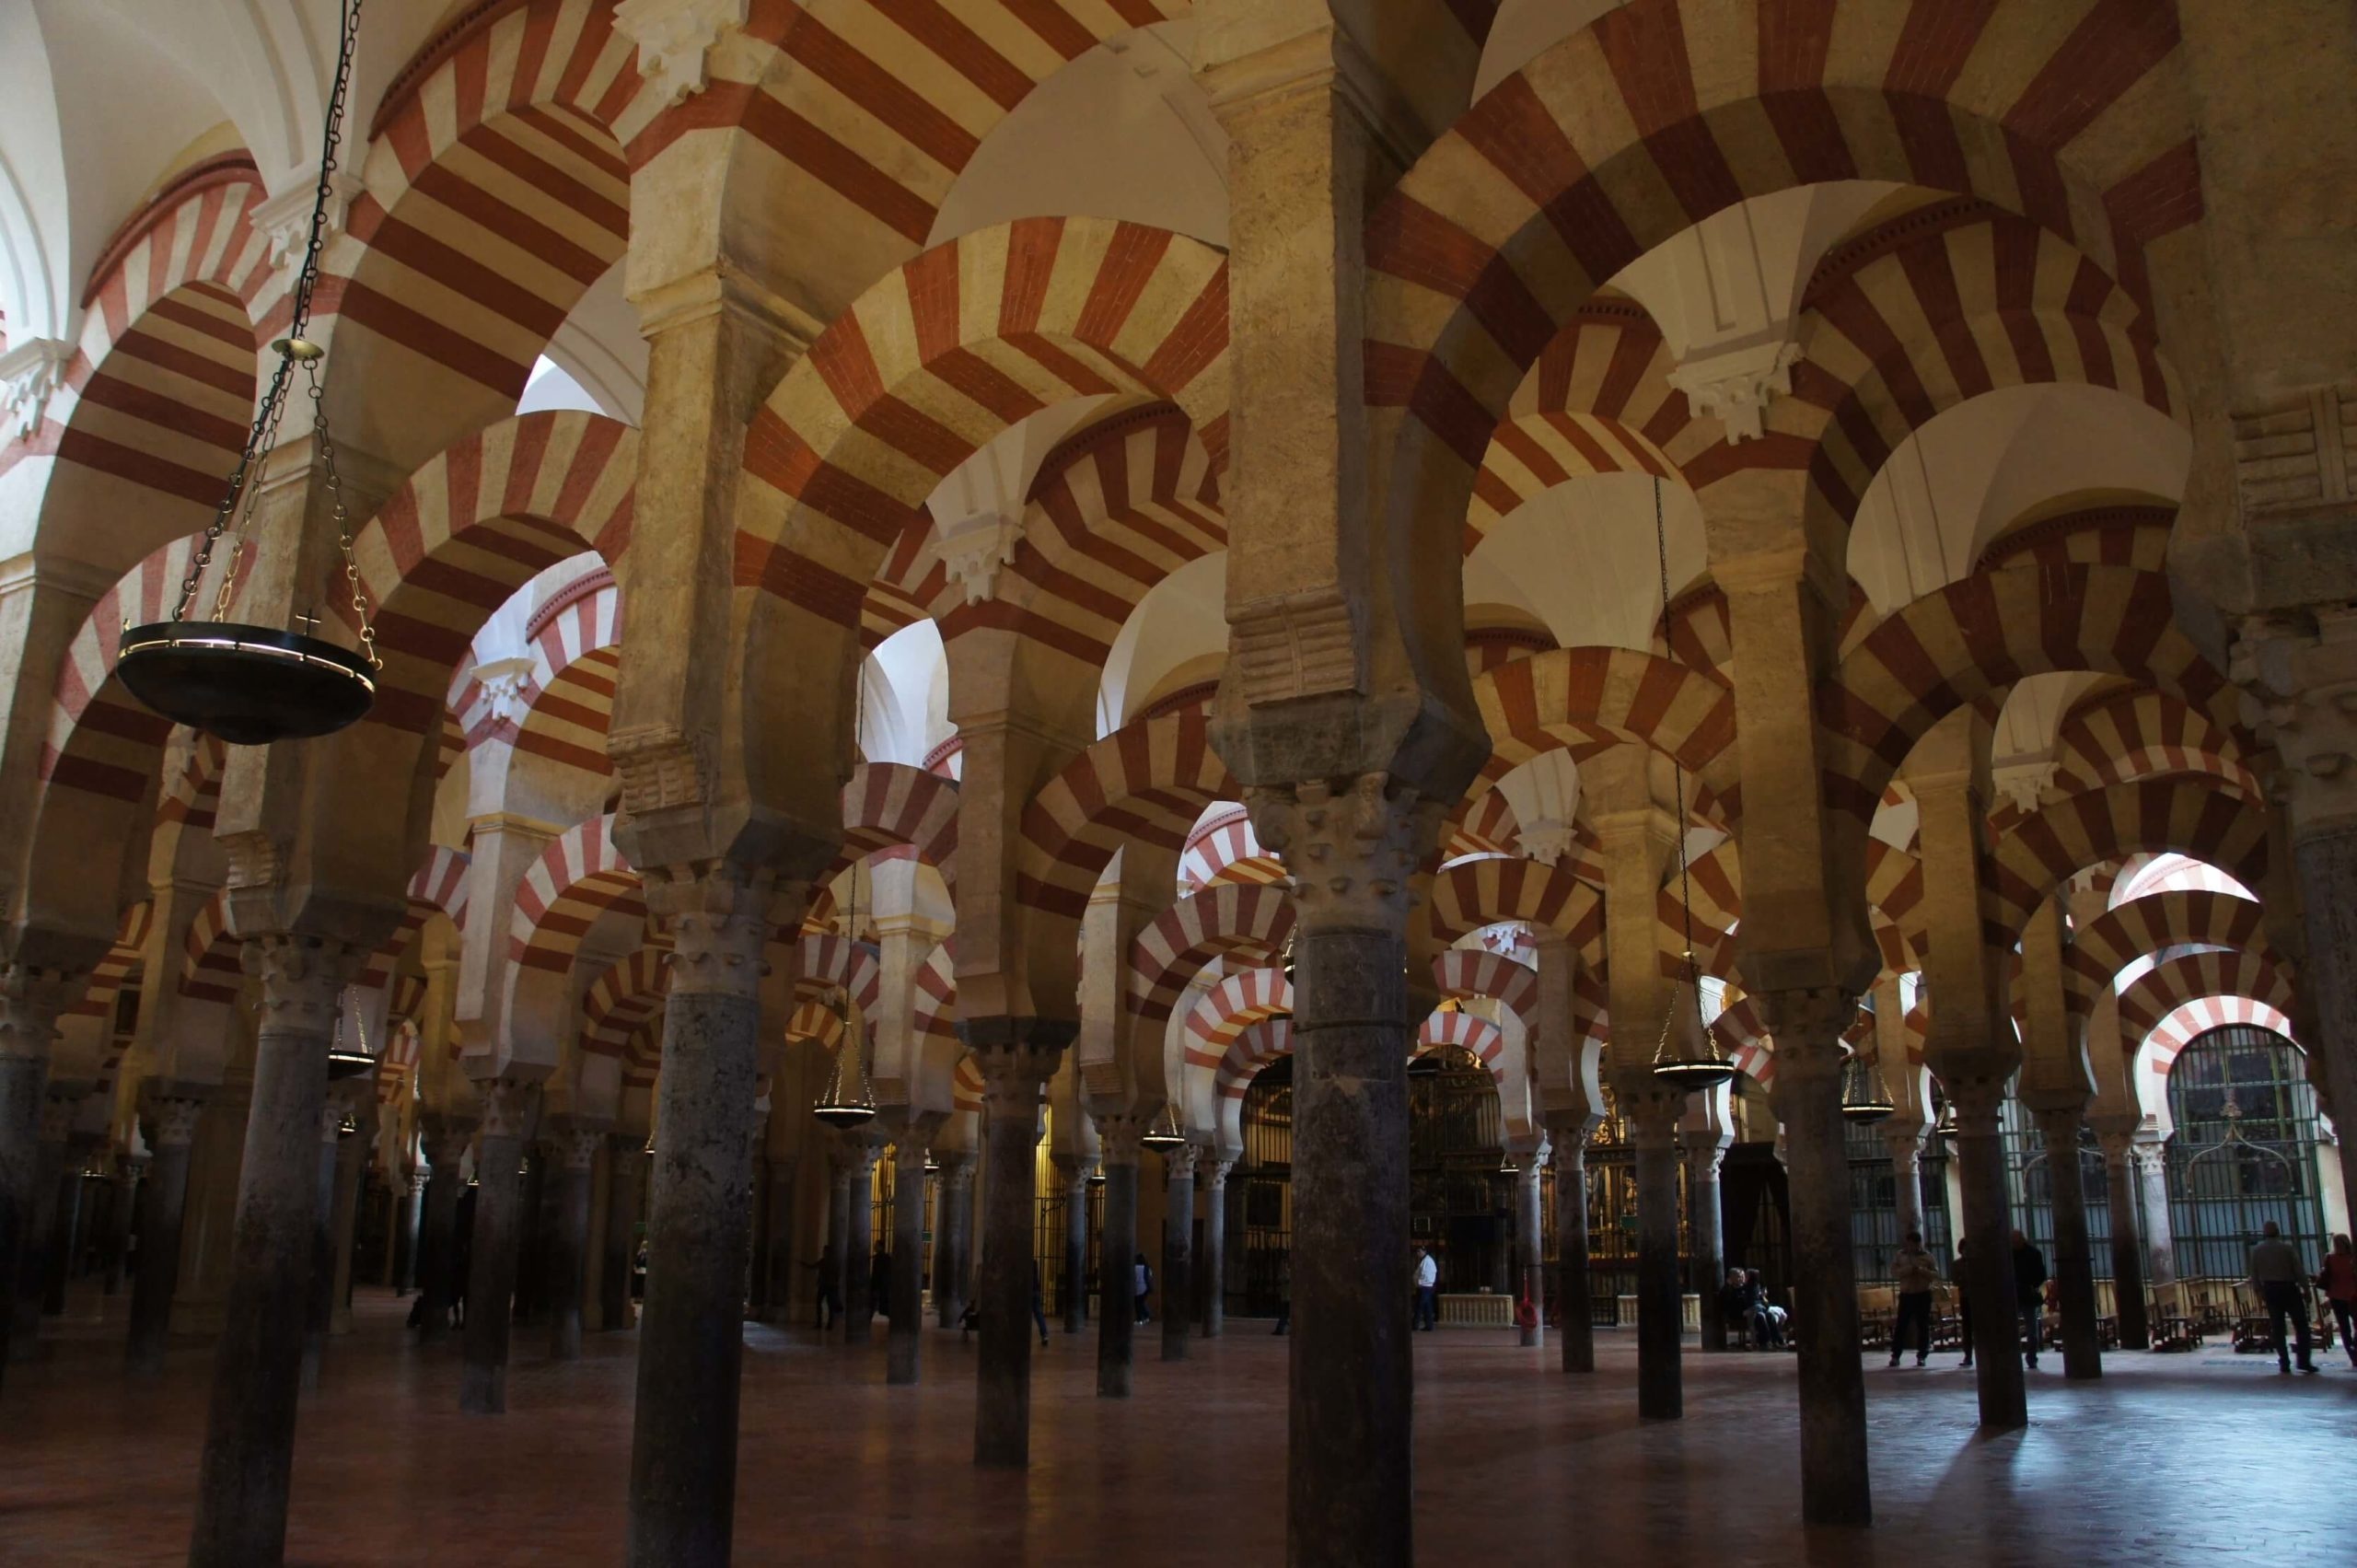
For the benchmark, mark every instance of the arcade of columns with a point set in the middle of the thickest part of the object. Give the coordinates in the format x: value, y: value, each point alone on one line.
x: 609, y: 899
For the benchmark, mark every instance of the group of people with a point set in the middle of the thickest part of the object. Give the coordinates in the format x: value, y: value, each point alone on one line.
x: 2282, y: 1285
x: 1745, y: 1308
x: 1917, y: 1274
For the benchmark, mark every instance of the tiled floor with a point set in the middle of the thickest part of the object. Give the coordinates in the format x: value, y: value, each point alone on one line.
x: 2171, y: 1459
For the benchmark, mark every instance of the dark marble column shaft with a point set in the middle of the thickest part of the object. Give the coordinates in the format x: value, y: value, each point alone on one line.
x: 2127, y: 1245
x: 1017, y: 1057
x: 2075, y: 1273
x: 625, y: 1164
x: 319, y: 1310
x: 164, y: 1203
x: 242, y: 1480
x: 1075, y: 1269
x: 1531, y: 1246
x: 1661, y: 1326
x: 779, y: 1176
x: 1116, y: 1245
x: 1213, y: 1315
x: 1176, y: 1297
x: 859, y: 1247
x: 30, y: 998
x: 1574, y: 1311
x: 492, y: 1255
x: 446, y: 1147
x: 951, y: 1226
x: 570, y: 1177
x: 906, y: 1338
x: 1988, y: 1258
x: 1708, y: 1226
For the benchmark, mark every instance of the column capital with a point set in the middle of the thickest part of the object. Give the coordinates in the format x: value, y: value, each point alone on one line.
x: 1015, y: 1057
x: 302, y: 978
x: 509, y: 1106
x: 1978, y: 1099
x: 1905, y: 1143
x: 957, y: 1169
x: 1179, y: 1162
x: 1075, y: 1172
x: 1212, y: 1169
x: 575, y: 1143
x: 720, y: 918
x: 1117, y: 1135
x: 2298, y: 673
x: 2151, y: 1154
x: 907, y: 1156
x: 1569, y: 1131
x: 1352, y: 851
x: 30, y: 999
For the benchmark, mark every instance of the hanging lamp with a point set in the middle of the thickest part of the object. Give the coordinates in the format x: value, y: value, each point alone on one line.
x: 840, y: 1108
x: 1863, y: 1097
x: 348, y: 1059
x: 1687, y: 1056
x: 1164, y: 1134
x: 250, y: 685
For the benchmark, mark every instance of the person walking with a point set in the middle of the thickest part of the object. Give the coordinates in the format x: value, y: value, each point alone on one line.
x: 2030, y: 1296
x: 828, y: 1305
x: 1142, y: 1286
x: 2338, y: 1279
x: 1917, y: 1274
x: 2284, y: 1287
x: 1427, y: 1291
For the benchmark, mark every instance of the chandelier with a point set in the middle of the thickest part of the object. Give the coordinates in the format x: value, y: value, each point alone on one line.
x: 1863, y: 1096
x: 348, y: 1059
x: 843, y: 1107
x: 1164, y: 1134
x: 250, y: 685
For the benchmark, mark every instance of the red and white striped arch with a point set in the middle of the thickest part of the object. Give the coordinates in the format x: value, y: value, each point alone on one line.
x: 890, y: 804
x: 1465, y: 972
x: 936, y: 1011
x: 161, y: 384
x: 1258, y: 1043
x: 1978, y: 636
x: 621, y: 999
x: 2190, y: 1021
x: 2190, y: 815
x: 1446, y: 1027
x: 2122, y: 736
x: 1586, y: 700
x: 1227, y: 1009
x: 472, y: 526
x: 114, y: 970
x: 192, y: 794
x: 938, y: 357
x: 1227, y: 920
x: 1148, y: 780
x: 495, y: 190
x: 437, y: 887
x: 1476, y: 893
x: 2190, y: 977
x: 212, y: 969
x: 581, y: 876
x: 2108, y: 944
x: 1222, y: 848
x: 831, y: 962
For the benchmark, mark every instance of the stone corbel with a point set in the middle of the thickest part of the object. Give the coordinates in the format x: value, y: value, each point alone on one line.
x: 1547, y: 841
x: 2024, y: 783
x: 285, y: 220
x: 29, y: 373
x: 2300, y: 691
x: 1736, y: 385
x: 676, y: 39
x: 974, y: 554
x: 2296, y: 455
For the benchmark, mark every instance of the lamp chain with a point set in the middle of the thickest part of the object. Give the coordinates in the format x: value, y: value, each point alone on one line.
x: 1676, y: 769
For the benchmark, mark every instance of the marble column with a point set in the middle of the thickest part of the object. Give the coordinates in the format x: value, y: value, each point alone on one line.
x: 69, y: 1224
x: 1177, y: 1245
x: 691, y: 1341
x: 1574, y: 1314
x: 1661, y: 1318
x: 1075, y: 1175
x: 2153, y: 1195
x: 570, y: 1176
x: 1906, y: 1146
x: 40, y: 1260
x: 839, y: 1263
x: 1213, y: 1316
x: 30, y: 999
x: 1017, y: 1056
x: 2074, y: 1276
x: 130, y: 1173
x: 779, y: 1177
x: 1987, y: 1266
x: 906, y: 1331
x: 320, y: 1307
x: 625, y: 1165
x: 1703, y: 1154
x: 859, y: 1242
x: 510, y: 1106
x: 1806, y: 1096
x: 445, y: 1140
x: 164, y: 1197
x: 954, y: 1224
x: 1530, y: 1241
x: 353, y: 1154
x: 2127, y: 1242
x: 242, y: 1480
x: 408, y: 1219
x: 1117, y: 1316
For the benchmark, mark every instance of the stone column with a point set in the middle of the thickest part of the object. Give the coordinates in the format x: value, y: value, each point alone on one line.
x: 842, y: 1158
x: 1075, y: 1174
x: 445, y: 1141
x: 1117, y: 1317
x: 1178, y: 1246
x: 1661, y: 1318
x: 40, y: 1260
x: 165, y: 1199
x: 30, y: 999
x: 1807, y: 1094
x: 692, y: 1342
x: 1352, y: 853
x: 409, y: 1218
x: 859, y: 1242
x: 2074, y: 1276
x: 951, y: 1227
x: 779, y: 1176
x: 1575, y: 1314
x: 1214, y: 1265
x: 123, y: 1193
x: 1906, y: 1146
x: 625, y: 1160
x: 257, y: 1369
x: 1989, y: 1257
x: 1531, y: 1243
x: 1017, y: 1057
x: 1705, y: 1151
x: 320, y: 1309
x: 907, y: 1333
x: 509, y: 1107
x: 2153, y: 1190
x: 576, y: 1150
x: 353, y: 1153
x: 68, y: 1223
x: 2127, y: 1241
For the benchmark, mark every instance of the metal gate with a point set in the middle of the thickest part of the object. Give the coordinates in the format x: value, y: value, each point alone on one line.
x: 2244, y: 1152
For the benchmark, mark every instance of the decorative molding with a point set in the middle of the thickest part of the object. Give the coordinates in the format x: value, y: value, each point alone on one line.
x: 2299, y: 680
x: 1736, y: 385
x: 504, y: 683
x: 2024, y: 783
x: 1352, y: 853
x: 30, y: 374
x: 676, y: 39
x: 2296, y: 455
x: 1301, y: 644
x: 1547, y: 841
x: 662, y: 767
x: 974, y: 553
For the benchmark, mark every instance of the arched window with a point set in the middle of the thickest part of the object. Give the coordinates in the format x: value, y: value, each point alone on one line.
x: 2244, y: 1153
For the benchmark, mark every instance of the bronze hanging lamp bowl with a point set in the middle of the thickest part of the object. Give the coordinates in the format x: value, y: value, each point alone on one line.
x: 1163, y: 1134
x: 246, y: 684
x: 1864, y: 1098
x: 346, y: 1058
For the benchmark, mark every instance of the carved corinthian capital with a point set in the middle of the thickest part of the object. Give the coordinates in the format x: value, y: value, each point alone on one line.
x: 1352, y: 853
x: 302, y: 979
x: 30, y: 999
x: 720, y: 920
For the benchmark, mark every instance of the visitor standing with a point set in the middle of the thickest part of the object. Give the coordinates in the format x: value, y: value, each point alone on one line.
x: 2337, y: 1279
x: 829, y: 1306
x: 1916, y: 1272
x: 1427, y: 1291
x: 1142, y: 1286
x: 2030, y: 1296
x: 2283, y: 1285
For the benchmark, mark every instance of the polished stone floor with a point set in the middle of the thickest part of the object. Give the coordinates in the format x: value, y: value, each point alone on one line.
x: 2200, y: 1458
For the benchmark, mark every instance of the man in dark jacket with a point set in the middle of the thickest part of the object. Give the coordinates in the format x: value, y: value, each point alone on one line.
x: 2029, y: 1295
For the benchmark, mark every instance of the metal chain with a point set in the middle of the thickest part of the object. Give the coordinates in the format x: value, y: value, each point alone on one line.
x: 342, y: 519
x: 1678, y: 778
x: 261, y: 436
